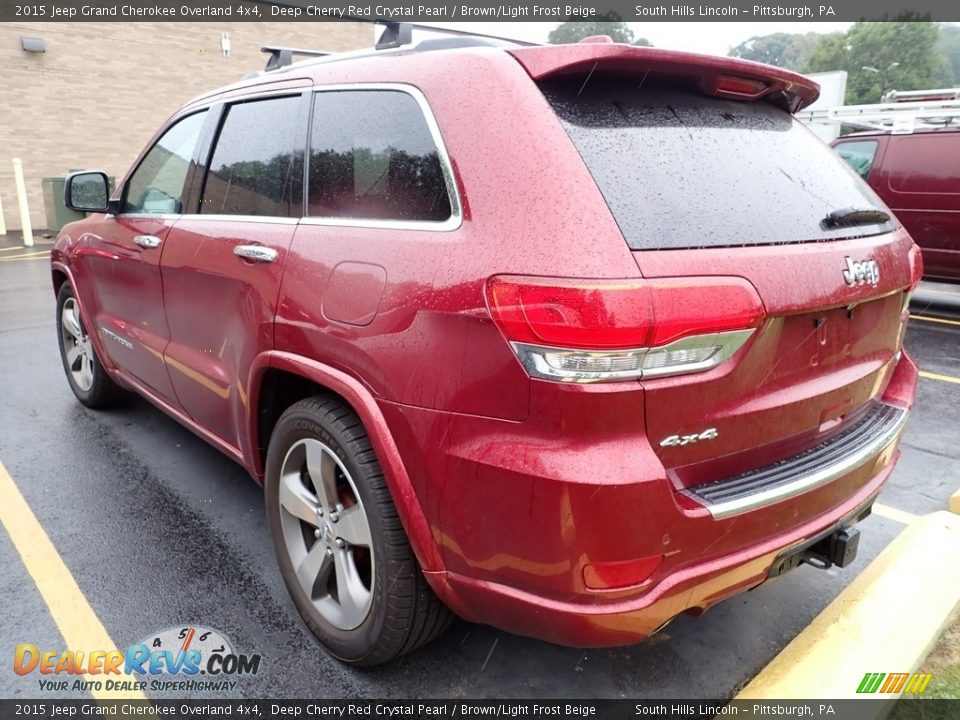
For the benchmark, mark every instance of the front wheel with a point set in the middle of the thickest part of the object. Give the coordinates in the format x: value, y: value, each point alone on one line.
x: 87, y: 377
x: 342, y: 550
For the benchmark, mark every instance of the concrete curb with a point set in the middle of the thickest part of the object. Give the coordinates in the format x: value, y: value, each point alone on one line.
x: 887, y: 620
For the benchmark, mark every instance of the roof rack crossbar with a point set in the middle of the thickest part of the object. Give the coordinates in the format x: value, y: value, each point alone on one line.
x: 395, y: 34
x: 283, y: 56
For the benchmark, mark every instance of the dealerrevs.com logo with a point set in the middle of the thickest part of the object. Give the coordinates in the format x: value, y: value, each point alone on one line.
x: 180, y: 658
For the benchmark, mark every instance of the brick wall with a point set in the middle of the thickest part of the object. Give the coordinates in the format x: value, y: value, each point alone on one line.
x: 101, y: 90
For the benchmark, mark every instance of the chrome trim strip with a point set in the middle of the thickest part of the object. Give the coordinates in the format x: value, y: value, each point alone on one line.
x: 261, y: 219
x: 532, y: 357
x: 885, y: 422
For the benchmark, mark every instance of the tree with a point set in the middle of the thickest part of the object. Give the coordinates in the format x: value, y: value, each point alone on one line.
x: 947, y: 49
x: 786, y: 50
x: 572, y: 32
x: 880, y: 56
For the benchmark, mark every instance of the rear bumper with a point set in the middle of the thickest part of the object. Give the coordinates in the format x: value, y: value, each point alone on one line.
x: 517, y: 513
x: 587, y: 621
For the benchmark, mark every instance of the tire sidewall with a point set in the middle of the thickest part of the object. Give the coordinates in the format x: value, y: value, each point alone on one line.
x: 348, y: 645
x: 84, y: 396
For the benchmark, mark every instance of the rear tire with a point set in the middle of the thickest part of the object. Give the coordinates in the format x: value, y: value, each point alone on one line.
x: 342, y: 550
x: 85, y: 373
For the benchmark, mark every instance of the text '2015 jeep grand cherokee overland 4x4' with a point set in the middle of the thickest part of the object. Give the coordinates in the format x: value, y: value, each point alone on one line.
x: 568, y: 340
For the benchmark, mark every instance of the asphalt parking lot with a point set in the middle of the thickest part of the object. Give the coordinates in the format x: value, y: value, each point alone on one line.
x: 160, y: 530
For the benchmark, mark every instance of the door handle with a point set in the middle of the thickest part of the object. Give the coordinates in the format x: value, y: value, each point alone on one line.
x: 257, y: 253
x: 147, y: 241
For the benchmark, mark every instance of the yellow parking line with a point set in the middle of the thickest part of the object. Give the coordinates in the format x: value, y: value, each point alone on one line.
x: 927, y: 318
x: 69, y: 608
x: 941, y: 378
x: 892, y: 513
x: 14, y: 247
x: 885, y: 620
x: 39, y: 253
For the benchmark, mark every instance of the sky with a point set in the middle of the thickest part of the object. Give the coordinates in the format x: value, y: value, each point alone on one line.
x: 712, y: 38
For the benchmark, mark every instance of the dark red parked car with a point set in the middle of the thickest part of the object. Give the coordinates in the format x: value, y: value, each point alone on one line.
x: 917, y: 175
x: 568, y: 340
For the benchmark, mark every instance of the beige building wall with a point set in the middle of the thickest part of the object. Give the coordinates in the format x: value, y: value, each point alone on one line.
x: 101, y: 90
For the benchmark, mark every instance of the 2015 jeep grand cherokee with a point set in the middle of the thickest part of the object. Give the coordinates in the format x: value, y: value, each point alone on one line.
x: 562, y: 338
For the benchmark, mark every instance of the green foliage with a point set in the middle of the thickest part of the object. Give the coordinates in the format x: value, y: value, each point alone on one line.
x: 900, y: 52
x: 947, y: 49
x: 786, y: 50
x: 572, y: 32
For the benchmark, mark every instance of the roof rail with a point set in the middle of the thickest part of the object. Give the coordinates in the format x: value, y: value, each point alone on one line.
x: 283, y: 56
x: 397, y: 34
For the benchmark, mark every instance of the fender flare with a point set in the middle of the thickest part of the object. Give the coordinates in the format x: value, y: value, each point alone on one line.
x: 365, y: 406
x: 92, y: 331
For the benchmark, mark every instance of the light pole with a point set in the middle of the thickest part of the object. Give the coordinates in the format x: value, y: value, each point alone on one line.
x: 882, y: 74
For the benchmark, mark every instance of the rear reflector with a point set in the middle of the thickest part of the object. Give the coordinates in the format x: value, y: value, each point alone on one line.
x: 591, y: 330
x: 612, y: 575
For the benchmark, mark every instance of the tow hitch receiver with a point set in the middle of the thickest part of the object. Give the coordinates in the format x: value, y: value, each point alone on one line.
x: 836, y: 548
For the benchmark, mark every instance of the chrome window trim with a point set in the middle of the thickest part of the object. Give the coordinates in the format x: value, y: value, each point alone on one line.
x: 729, y: 342
x: 454, y: 222
x: 260, y: 219
x: 446, y: 167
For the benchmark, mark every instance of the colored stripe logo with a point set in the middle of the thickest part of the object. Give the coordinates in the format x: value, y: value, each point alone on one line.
x: 892, y: 683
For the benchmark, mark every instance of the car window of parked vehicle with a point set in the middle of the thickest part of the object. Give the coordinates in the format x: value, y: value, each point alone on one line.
x: 257, y: 168
x: 157, y: 185
x: 682, y: 170
x: 859, y: 155
x: 373, y: 157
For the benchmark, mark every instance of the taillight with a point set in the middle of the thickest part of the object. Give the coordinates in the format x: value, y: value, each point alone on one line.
x: 915, y: 258
x: 594, y: 330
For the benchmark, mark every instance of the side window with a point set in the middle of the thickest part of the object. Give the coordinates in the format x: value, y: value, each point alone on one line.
x: 257, y: 167
x: 859, y: 155
x: 157, y: 185
x: 372, y: 157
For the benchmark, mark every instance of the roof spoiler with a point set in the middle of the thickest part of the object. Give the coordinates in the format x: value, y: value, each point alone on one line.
x: 718, y: 76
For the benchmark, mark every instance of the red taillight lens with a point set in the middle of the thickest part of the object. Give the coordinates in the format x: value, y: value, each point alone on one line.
x: 916, y: 266
x: 619, y: 314
x: 606, y: 330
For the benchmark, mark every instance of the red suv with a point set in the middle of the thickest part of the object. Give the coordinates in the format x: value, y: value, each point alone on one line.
x: 568, y: 340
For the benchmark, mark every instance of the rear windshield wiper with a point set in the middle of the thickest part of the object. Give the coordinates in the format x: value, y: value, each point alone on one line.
x: 848, y: 217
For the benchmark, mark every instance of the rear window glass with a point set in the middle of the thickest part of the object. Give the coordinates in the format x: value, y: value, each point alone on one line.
x: 680, y: 170
x: 858, y: 154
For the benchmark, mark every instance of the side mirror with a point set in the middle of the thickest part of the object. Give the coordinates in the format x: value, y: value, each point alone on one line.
x: 87, y: 191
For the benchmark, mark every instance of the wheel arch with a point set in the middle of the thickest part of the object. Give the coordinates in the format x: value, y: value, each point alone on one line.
x: 268, y: 395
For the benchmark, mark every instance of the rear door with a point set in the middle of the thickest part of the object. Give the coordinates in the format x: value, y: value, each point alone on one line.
x: 222, y: 264
x: 712, y: 187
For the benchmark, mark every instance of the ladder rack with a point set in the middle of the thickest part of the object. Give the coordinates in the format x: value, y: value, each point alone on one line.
x: 901, y: 118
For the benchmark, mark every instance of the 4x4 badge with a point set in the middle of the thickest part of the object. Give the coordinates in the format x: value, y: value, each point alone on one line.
x: 859, y: 272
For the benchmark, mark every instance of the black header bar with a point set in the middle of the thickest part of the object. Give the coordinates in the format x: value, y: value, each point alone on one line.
x: 483, y: 11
